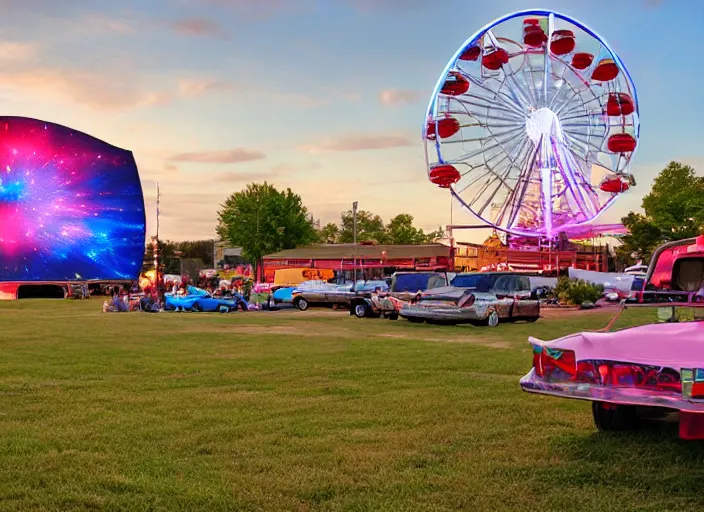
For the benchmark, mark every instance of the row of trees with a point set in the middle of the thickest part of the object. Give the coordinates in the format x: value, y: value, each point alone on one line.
x: 171, y: 253
x: 673, y: 210
x: 263, y: 220
x: 399, y: 230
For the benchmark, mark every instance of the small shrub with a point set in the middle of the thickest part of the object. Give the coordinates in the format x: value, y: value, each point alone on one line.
x: 576, y: 291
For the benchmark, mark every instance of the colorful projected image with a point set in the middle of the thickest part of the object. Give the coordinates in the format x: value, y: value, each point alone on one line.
x: 71, y: 206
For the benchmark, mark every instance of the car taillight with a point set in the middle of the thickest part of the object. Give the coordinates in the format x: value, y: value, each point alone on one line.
x: 615, y: 374
x: 586, y: 372
x: 466, y: 300
x: 552, y: 364
x: 560, y: 366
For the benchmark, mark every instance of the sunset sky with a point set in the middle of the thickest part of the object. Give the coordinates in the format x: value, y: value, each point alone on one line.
x: 324, y: 96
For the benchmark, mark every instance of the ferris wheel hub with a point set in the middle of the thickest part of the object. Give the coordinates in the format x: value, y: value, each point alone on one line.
x: 543, y: 123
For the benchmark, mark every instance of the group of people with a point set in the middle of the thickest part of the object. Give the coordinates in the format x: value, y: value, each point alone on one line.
x: 153, y: 298
x: 120, y: 301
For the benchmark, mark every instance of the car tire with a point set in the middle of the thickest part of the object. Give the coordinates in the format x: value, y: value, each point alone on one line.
x: 492, y: 320
x: 532, y: 319
x: 196, y: 308
x: 360, y: 310
x: 392, y: 316
x: 302, y: 304
x: 613, y: 418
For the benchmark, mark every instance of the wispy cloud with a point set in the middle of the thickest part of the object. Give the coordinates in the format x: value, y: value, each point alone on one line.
x: 17, y: 51
x: 286, y: 172
x: 359, y: 143
x: 201, y: 27
x: 241, y: 178
x: 229, y: 156
x: 100, y: 23
x: 93, y: 89
x: 198, y: 86
x: 398, y: 96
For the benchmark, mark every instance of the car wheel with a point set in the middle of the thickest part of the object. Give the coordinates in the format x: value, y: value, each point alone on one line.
x: 493, y: 319
x: 613, y: 418
x: 196, y: 308
x: 393, y: 316
x: 360, y: 310
x: 302, y: 304
x: 532, y: 319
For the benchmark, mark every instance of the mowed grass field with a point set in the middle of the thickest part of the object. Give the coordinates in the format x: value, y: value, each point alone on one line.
x: 307, y: 411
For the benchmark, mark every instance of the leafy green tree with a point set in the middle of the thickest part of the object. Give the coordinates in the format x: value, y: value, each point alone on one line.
x: 401, y: 231
x: 329, y: 234
x: 263, y: 220
x: 369, y: 227
x: 675, y: 203
x: 171, y: 253
x: 200, y: 249
x: 674, y: 209
x: 643, y: 238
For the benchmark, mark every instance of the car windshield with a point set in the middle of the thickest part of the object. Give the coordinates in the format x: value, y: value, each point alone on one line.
x: 480, y: 282
x: 646, y: 314
x: 410, y: 282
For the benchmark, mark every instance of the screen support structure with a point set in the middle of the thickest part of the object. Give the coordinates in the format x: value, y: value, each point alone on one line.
x: 156, y: 245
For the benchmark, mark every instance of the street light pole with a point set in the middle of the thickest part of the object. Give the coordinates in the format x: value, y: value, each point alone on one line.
x: 354, y: 239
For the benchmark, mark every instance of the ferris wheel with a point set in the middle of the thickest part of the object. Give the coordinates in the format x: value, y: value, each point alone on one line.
x: 533, y: 125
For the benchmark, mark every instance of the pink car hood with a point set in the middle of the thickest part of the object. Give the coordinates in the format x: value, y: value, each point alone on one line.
x: 676, y: 345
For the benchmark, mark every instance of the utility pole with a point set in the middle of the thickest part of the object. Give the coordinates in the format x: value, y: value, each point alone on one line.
x: 354, y: 238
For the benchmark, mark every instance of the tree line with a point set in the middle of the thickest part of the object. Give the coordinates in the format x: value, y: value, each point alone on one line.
x: 672, y: 210
x: 262, y: 220
x: 171, y: 253
x: 371, y: 227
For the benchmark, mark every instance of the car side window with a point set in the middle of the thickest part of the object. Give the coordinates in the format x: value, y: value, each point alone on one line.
x: 523, y: 284
x: 436, y: 282
x: 504, y: 284
x: 514, y: 284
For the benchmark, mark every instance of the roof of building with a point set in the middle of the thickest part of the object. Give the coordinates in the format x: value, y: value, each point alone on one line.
x: 345, y: 251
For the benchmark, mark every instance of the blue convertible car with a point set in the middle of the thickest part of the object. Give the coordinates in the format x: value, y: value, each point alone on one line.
x: 200, y: 300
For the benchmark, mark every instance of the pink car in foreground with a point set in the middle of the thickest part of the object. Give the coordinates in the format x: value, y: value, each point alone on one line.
x: 649, y: 359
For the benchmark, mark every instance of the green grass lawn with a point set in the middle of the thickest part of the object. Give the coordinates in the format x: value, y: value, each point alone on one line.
x: 306, y: 411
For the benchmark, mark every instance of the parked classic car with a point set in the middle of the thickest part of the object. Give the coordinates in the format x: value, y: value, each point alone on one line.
x: 630, y: 371
x: 199, y: 300
x: 478, y: 298
x: 285, y: 295
x: 648, y: 361
x: 338, y: 295
x: 404, y: 287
